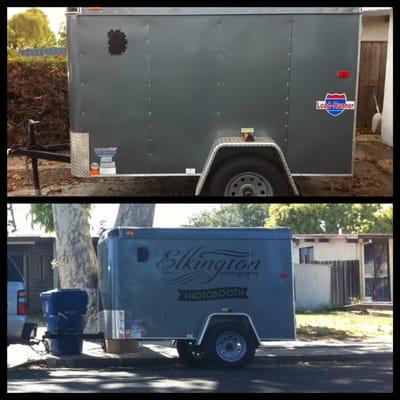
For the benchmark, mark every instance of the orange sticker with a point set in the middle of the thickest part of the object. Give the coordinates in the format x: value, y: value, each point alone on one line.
x: 94, y: 172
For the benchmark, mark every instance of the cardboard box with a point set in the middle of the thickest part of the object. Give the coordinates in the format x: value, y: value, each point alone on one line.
x: 120, y: 346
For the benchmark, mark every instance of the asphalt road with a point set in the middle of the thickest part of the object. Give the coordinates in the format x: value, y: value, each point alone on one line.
x: 264, y: 377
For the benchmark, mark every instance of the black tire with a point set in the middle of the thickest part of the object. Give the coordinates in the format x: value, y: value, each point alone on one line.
x: 214, y: 340
x: 259, y: 166
x: 189, y: 354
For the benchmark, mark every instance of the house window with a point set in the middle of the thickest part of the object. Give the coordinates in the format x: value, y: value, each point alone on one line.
x: 306, y: 254
x: 376, y: 270
x: 19, y: 262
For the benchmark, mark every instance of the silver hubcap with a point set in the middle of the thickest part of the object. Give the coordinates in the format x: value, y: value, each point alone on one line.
x: 248, y: 184
x: 231, y: 346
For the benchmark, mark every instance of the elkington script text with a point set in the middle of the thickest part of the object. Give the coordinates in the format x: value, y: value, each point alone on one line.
x: 202, y: 266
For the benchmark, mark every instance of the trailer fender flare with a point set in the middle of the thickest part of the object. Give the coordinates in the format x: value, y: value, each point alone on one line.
x: 214, y: 318
x: 237, y: 143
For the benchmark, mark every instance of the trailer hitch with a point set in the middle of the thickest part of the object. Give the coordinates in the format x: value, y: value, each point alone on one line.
x: 60, y: 335
x: 35, y: 151
x: 87, y: 336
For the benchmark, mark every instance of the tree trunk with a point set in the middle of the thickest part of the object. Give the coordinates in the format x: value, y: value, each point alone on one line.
x: 140, y: 215
x: 76, y: 258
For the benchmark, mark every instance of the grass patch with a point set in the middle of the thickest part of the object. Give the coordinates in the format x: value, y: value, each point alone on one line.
x: 342, y: 325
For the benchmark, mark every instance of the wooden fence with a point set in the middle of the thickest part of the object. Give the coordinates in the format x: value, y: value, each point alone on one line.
x: 372, y: 72
x: 49, y: 51
x: 345, y: 281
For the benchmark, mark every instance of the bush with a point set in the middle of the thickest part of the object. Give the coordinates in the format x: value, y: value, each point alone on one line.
x: 37, y: 88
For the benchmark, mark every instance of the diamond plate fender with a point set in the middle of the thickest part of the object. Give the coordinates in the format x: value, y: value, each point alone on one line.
x: 237, y: 142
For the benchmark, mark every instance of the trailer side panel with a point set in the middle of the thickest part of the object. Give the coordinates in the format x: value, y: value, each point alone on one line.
x: 167, y: 282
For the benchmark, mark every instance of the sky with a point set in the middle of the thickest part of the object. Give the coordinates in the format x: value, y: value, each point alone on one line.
x: 57, y: 14
x: 166, y: 216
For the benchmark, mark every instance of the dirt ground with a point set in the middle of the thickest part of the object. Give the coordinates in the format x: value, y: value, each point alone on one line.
x: 373, y: 176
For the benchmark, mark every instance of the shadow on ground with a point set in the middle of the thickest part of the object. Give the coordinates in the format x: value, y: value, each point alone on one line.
x: 304, y: 377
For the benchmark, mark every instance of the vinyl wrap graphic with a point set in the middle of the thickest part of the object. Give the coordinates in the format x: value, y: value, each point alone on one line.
x: 202, y: 266
x: 213, y: 294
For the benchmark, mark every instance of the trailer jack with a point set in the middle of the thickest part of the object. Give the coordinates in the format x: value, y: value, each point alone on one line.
x: 35, y: 151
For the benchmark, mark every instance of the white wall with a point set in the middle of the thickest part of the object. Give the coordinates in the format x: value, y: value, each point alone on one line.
x: 387, y: 113
x: 335, y: 249
x: 313, y: 286
x: 374, y: 29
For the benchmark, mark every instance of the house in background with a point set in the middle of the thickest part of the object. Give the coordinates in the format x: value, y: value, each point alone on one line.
x: 32, y: 255
x: 360, y: 263
x: 376, y: 69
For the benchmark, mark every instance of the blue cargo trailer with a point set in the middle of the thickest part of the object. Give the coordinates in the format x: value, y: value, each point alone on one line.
x: 217, y: 292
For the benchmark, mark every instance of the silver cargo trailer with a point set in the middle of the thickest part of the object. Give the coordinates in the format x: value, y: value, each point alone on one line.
x: 217, y: 292
x: 245, y: 98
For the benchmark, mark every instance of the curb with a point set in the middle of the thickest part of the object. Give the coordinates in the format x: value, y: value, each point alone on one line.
x: 26, y: 363
x: 327, y: 357
x: 74, y: 362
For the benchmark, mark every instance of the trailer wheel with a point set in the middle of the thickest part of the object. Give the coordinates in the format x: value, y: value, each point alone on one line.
x: 189, y: 354
x: 229, y: 345
x: 248, y: 176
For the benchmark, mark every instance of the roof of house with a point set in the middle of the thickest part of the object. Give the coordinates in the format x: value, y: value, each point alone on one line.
x: 32, y: 239
x: 375, y: 11
x: 29, y: 239
x: 342, y: 236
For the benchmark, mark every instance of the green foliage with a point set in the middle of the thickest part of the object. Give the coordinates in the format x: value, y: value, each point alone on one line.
x: 11, y: 40
x: 29, y: 29
x: 15, y: 59
x: 301, y: 218
x: 232, y: 215
x: 37, y: 88
x: 384, y: 218
x: 332, y: 218
x: 42, y: 215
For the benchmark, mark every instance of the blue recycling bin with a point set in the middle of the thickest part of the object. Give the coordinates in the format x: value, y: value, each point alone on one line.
x: 64, y: 311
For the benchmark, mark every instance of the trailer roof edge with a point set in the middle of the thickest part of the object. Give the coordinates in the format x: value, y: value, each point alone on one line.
x: 211, y: 10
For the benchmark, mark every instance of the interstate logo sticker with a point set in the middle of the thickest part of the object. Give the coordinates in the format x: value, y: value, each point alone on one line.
x: 335, y: 104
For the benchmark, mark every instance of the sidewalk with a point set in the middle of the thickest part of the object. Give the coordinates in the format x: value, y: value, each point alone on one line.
x: 164, y: 354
